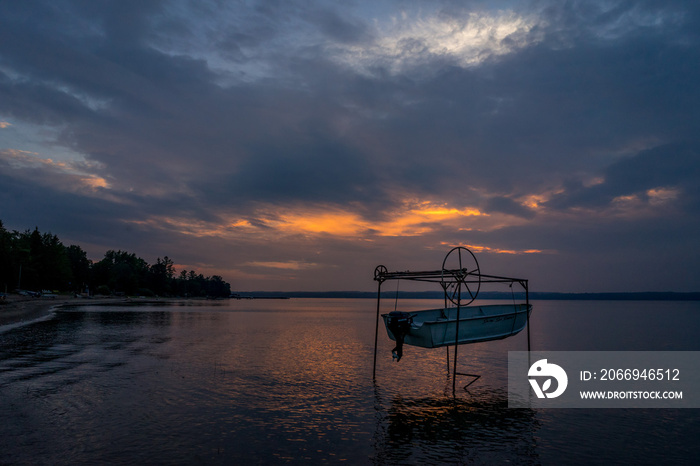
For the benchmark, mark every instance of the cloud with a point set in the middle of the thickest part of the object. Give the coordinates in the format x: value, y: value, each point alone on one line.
x: 291, y: 265
x: 509, y: 206
x: 660, y: 178
x: 407, y: 43
x: 341, y: 29
x: 317, y: 133
x: 318, y: 170
x: 67, y: 176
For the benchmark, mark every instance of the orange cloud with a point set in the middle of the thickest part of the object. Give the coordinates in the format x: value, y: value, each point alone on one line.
x: 290, y: 265
x: 480, y: 248
x: 411, y: 219
x: 333, y: 222
x: 95, y: 182
x: 659, y: 196
x: 74, y: 175
x: 535, y: 201
x: 187, y: 226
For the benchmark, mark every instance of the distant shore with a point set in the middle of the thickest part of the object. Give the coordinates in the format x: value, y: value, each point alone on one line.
x: 519, y: 294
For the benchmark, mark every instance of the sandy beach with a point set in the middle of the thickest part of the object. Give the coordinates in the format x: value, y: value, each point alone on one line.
x: 16, y: 308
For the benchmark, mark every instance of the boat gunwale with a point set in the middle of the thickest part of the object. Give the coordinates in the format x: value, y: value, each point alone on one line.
x: 528, y: 308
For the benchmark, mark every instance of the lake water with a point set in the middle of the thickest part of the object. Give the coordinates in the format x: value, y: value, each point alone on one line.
x: 290, y: 381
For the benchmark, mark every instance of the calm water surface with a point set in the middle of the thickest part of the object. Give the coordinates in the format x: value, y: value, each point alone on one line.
x: 290, y: 381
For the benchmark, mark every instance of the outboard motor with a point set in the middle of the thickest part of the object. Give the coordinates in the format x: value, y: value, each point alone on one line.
x: 399, y: 323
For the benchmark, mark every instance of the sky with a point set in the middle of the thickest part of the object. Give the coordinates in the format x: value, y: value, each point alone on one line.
x: 295, y: 145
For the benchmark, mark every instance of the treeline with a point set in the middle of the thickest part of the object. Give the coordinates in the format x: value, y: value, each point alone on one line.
x: 36, y: 261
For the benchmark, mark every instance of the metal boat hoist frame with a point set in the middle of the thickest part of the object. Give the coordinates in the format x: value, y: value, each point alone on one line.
x: 461, y: 280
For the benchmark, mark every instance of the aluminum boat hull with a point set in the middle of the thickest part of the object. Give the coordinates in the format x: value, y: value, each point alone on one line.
x: 434, y: 328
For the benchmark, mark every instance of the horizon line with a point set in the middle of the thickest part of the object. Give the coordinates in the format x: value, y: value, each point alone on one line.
x: 535, y: 295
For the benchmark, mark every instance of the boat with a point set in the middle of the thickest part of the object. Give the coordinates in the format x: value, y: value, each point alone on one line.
x: 459, y: 321
x: 434, y: 328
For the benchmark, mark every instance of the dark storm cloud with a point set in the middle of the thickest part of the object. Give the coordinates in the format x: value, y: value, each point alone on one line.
x: 322, y: 170
x: 540, y: 106
x: 163, y: 118
x: 338, y: 28
x: 508, y: 206
x: 669, y: 166
x: 74, y: 215
x: 560, y: 109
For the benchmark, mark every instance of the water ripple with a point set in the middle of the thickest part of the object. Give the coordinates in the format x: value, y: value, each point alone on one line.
x: 290, y: 384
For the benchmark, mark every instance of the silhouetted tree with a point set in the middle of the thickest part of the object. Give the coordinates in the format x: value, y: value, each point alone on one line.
x: 161, y: 276
x: 80, y: 267
x: 54, y: 266
x: 8, y: 276
x: 45, y: 263
x: 181, y: 284
x: 121, y: 271
x: 217, y: 287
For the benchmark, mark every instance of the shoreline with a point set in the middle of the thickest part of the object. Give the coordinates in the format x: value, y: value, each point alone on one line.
x: 18, y: 309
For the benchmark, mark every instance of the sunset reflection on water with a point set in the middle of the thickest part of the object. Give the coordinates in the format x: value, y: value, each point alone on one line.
x: 291, y: 381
